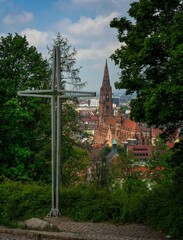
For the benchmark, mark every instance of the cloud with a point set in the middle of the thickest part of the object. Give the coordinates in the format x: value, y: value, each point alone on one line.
x: 99, y: 6
x: 87, y: 27
x: 40, y: 39
x: 97, y: 51
x: 92, y: 37
x: 91, y: 27
x: 35, y: 37
x: 22, y: 18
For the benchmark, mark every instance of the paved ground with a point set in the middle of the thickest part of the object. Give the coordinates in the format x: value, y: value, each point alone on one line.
x: 71, y: 230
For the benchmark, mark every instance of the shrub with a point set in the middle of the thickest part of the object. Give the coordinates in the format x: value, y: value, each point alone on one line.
x: 22, y: 201
x: 86, y: 204
x: 161, y: 207
x: 165, y: 210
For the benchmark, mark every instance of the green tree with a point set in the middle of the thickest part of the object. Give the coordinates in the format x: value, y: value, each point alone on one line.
x: 159, y: 169
x: 75, y: 167
x: 23, y: 121
x: 123, y: 109
x: 104, y: 151
x: 69, y: 72
x: 151, y: 61
x: 126, y: 172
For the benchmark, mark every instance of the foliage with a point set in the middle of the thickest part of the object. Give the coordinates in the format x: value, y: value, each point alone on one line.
x: 123, y: 168
x: 25, y: 146
x: 123, y: 109
x: 164, y: 210
x: 104, y: 151
x: 82, y: 203
x: 150, y: 59
x: 160, y: 207
x: 24, y: 124
x: 74, y: 168
x: 30, y: 199
x: 69, y: 73
x: 70, y: 122
x: 176, y: 165
x: 99, y: 169
x: 159, y: 169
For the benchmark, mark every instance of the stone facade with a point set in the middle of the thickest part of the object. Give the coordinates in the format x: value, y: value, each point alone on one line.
x: 118, y: 127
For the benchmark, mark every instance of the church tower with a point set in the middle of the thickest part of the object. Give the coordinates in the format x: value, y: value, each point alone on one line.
x: 105, y: 101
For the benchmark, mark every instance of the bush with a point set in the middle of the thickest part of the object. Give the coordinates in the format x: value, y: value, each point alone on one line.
x: 161, y: 207
x: 22, y: 201
x: 86, y: 204
x: 165, y: 211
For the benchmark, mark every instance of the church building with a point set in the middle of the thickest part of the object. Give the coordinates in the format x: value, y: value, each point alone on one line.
x: 119, y: 127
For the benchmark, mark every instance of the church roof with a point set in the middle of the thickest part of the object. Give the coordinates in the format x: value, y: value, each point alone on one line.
x: 111, y: 121
x: 129, y: 124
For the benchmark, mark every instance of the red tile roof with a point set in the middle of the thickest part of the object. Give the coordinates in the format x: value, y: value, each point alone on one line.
x: 111, y: 121
x: 147, y: 173
x: 132, y: 125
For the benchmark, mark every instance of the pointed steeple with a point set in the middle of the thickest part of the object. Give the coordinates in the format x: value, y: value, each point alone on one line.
x: 106, y: 80
x: 105, y: 102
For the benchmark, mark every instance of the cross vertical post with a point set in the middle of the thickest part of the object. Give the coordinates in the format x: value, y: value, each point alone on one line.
x: 56, y: 95
x: 58, y: 132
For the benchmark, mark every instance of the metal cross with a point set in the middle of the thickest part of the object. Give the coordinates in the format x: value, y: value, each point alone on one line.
x: 56, y: 95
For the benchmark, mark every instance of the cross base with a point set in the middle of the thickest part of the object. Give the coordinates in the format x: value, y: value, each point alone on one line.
x: 54, y: 213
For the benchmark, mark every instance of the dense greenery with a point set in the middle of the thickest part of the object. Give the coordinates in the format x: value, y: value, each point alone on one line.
x: 120, y: 196
x: 24, y: 122
x: 160, y: 207
x: 25, y: 146
x: 151, y: 61
x: 30, y: 199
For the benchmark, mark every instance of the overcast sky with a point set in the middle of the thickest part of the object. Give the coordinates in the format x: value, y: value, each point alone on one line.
x: 85, y: 23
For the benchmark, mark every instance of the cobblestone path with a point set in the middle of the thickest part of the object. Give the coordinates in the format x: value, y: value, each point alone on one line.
x: 70, y: 230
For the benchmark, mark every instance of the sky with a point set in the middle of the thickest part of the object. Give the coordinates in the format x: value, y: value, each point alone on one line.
x: 85, y: 23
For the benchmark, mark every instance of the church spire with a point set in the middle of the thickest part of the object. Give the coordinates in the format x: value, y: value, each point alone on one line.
x: 106, y: 80
x: 105, y: 101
